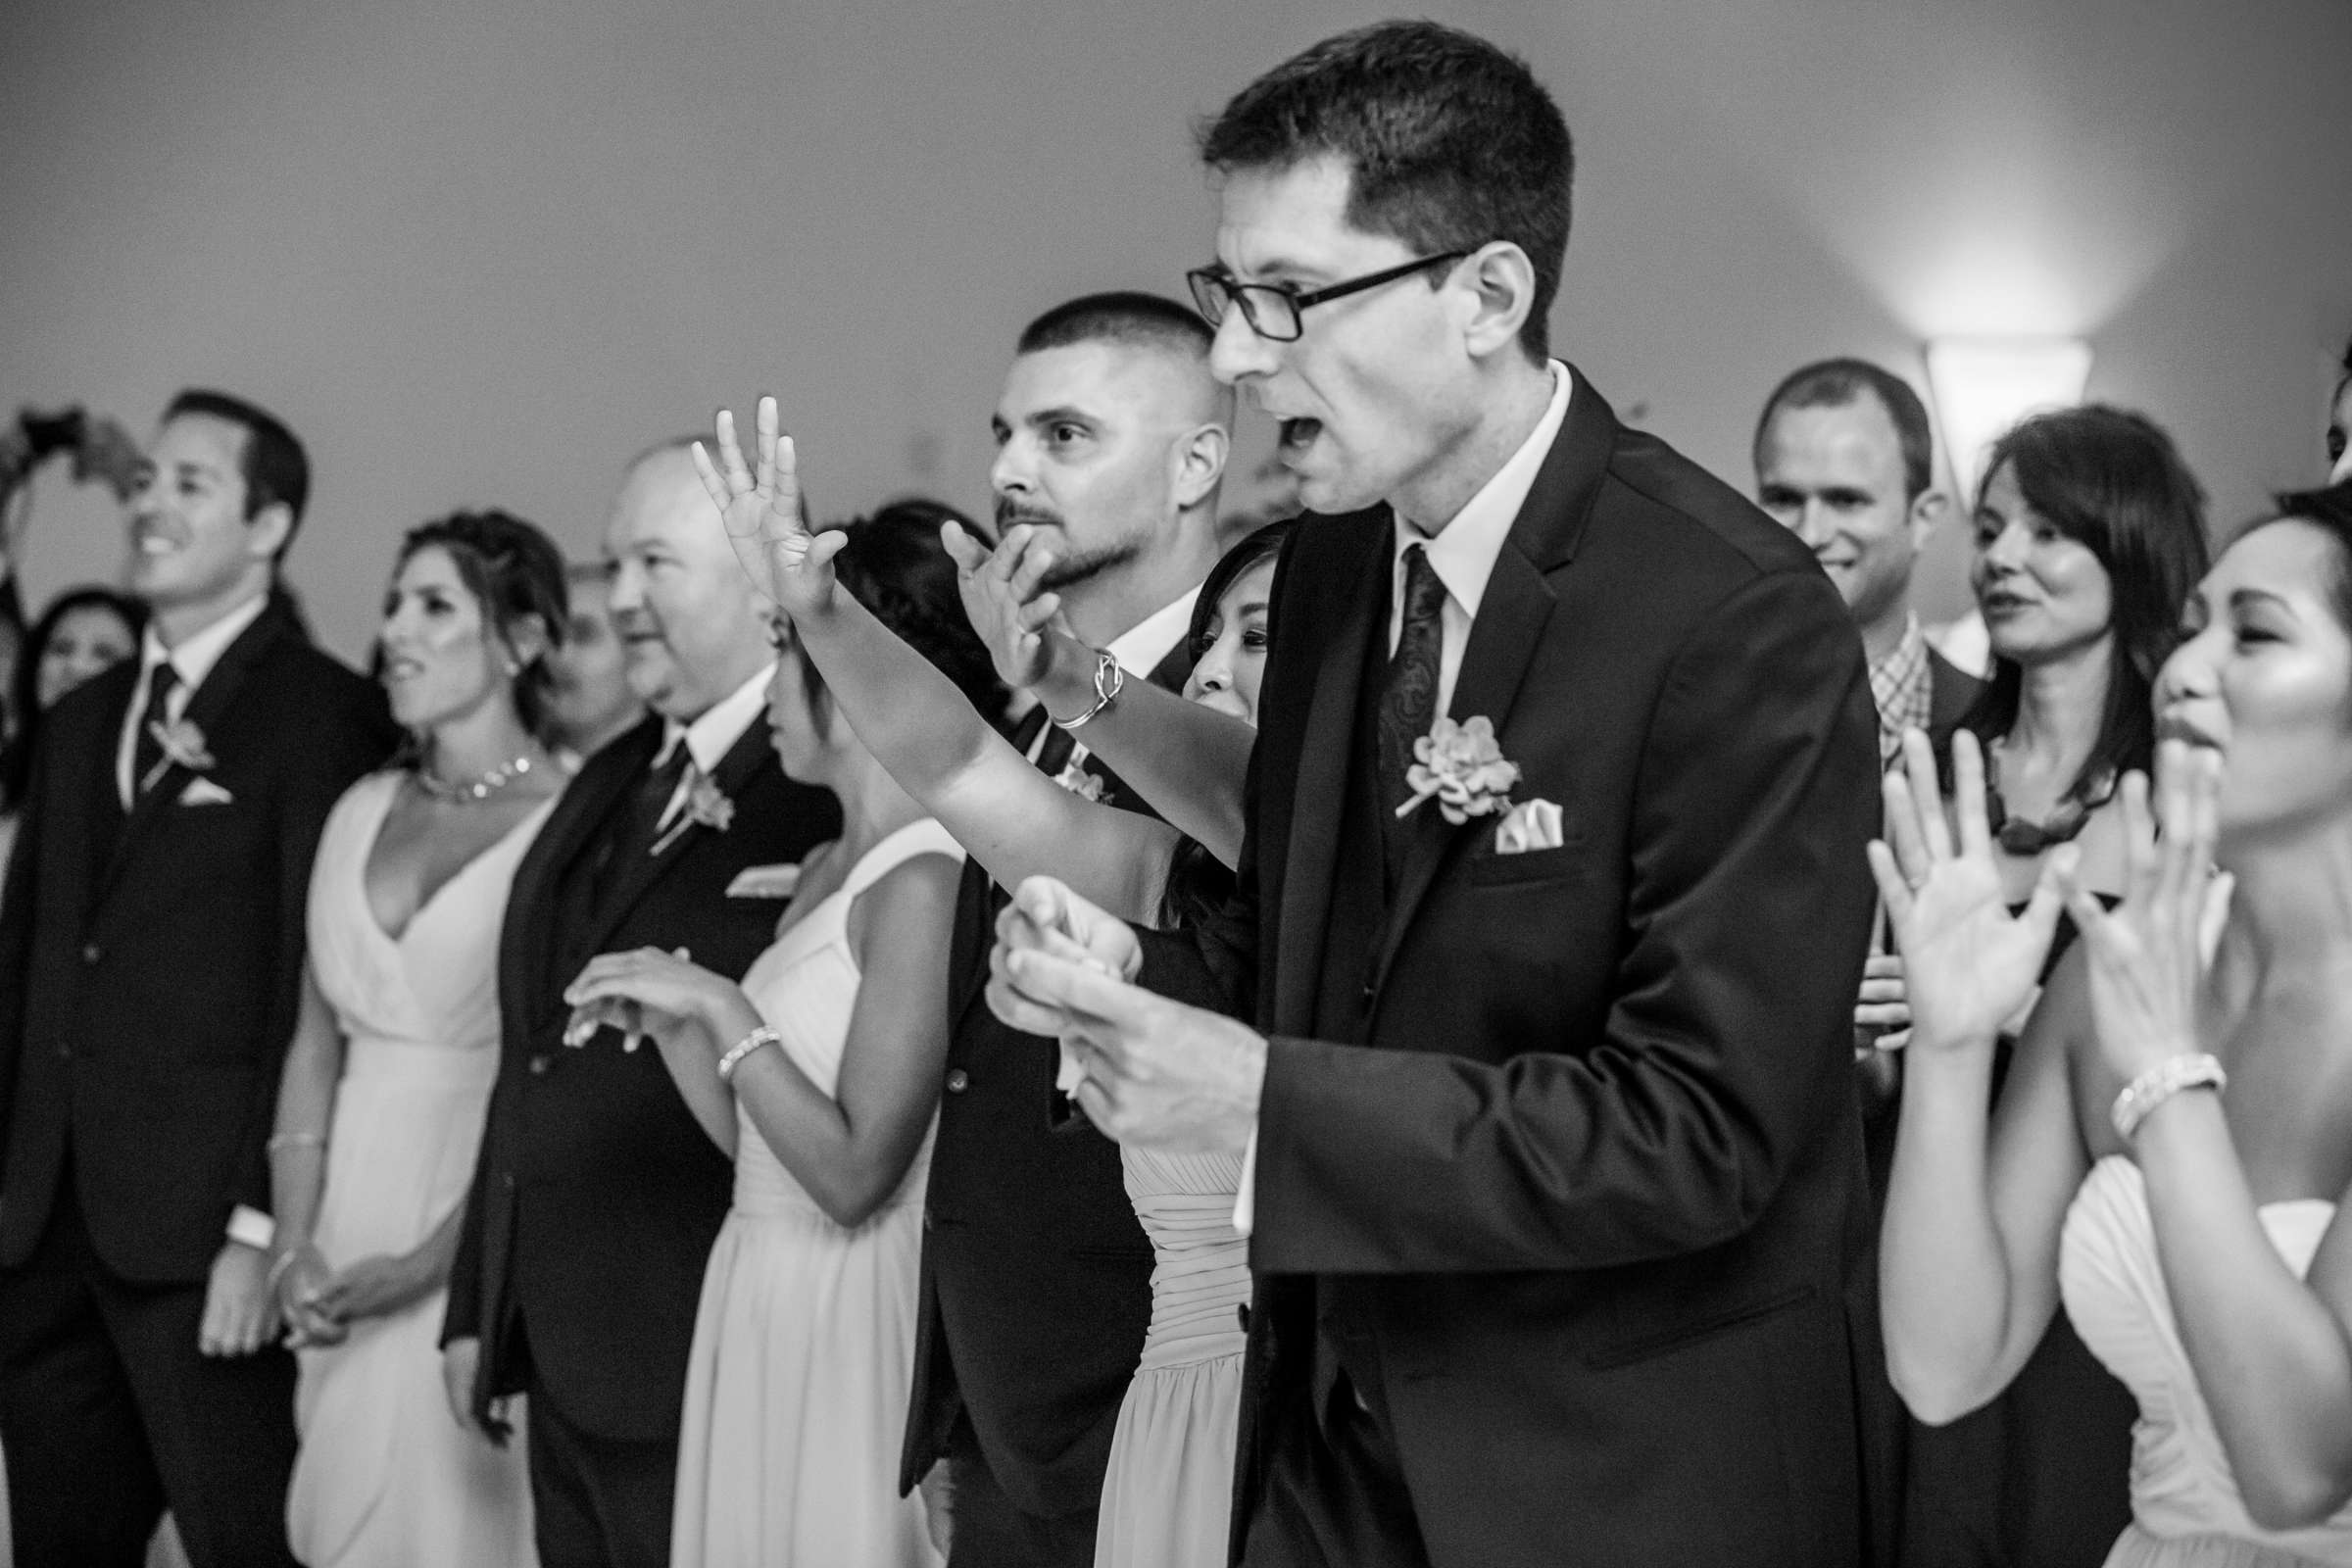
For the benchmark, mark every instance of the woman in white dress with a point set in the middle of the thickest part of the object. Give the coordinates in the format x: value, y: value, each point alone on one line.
x: 1167, y: 1491
x: 2175, y: 1149
x: 386, y: 1084
x: 821, y: 1073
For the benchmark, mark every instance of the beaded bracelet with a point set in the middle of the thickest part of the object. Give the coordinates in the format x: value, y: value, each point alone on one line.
x: 2161, y: 1083
x: 764, y: 1035
x: 1110, y: 681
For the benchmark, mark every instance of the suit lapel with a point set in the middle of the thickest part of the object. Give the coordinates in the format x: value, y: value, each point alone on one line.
x: 206, y: 706
x: 1513, y: 615
x: 645, y: 871
x: 1326, y: 750
x: 529, y: 947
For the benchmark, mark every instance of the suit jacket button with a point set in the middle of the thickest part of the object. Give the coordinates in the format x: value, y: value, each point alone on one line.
x: 958, y: 1080
x: 506, y: 1179
x: 89, y: 953
x: 538, y: 1064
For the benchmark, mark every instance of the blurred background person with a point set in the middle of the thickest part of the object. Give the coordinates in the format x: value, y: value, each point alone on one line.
x: 381, y: 1099
x: 2339, y: 423
x: 589, y: 703
x: 2090, y: 531
x: 84, y: 633
x: 804, y: 1347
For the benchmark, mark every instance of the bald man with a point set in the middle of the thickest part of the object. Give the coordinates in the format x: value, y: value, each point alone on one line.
x: 597, y: 1194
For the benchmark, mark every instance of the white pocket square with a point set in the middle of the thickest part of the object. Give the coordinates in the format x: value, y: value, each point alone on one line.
x: 204, y: 792
x: 1531, y: 825
x: 764, y: 882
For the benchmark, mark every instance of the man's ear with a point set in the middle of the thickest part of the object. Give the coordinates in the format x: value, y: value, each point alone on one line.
x: 268, y: 530
x: 1499, y: 284
x: 1928, y: 510
x: 1201, y: 464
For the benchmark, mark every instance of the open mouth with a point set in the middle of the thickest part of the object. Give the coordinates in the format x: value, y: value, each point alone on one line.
x: 1300, y: 433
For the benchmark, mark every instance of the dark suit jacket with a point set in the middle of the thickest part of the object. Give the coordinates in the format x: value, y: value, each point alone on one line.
x: 151, y: 966
x: 1588, y: 1196
x: 1035, y: 1270
x: 597, y: 1195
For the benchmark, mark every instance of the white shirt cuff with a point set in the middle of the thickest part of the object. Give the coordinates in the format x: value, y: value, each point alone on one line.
x: 251, y: 1226
x: 1244, y: 1199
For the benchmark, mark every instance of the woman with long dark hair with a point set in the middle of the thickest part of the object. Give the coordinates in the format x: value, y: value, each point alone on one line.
x: 388, y: 1077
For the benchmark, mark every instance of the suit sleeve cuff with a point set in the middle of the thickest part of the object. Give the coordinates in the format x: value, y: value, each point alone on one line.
x: 251, y: 1226
x: 1245, y: 1198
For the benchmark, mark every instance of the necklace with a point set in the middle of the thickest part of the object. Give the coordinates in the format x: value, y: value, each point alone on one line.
x: 466, y: 792
x: 2023, y: 838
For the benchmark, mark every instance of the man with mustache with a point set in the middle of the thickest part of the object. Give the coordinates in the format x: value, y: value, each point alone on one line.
x: 1111, y: 437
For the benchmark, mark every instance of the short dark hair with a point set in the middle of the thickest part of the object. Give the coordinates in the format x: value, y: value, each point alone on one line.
x: 1125, y: 317
x: 275, y: 466
x: 515, y: 574
x: 1840, y: 383
x: 1449, y: 143
x: 16, y: 763
x: 2112, y: 481
x: 894, y: 566
x: 2328, y: 509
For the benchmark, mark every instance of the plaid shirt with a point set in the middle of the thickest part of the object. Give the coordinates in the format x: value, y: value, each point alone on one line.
x: 1899, y: 686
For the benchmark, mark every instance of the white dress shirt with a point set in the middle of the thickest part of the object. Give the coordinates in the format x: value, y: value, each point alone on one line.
x: 192, y: 660
x: 709, y: 737
x: 1463, y: 554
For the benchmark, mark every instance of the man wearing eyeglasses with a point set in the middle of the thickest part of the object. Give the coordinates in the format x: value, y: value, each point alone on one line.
x: 1554, y: 1156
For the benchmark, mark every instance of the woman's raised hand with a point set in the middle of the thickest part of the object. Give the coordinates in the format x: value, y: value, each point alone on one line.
x: 1968, y: 962
x: 1005, y: 599
x: 2148, y: 956
x: 762, y: 514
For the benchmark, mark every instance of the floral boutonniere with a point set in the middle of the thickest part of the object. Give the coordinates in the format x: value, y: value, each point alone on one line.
x: 1463, y: 767
x: 183, y: 745
x: 707, y: 805
x: 1079, y: 782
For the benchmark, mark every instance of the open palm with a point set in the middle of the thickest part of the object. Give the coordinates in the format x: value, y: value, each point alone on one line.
x: 762, y: 514
x: 1968, y: 964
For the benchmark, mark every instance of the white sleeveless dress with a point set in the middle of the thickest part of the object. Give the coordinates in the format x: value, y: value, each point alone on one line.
x: 1167, y: 1494
x: 2185, y: 1508
x: 804, y: 1345
x: 385, y: 1476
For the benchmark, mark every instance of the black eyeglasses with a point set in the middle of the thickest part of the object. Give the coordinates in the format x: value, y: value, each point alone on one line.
x: 1272, y: 309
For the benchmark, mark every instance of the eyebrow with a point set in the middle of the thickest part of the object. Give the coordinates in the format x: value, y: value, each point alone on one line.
x: 1062, y: 414
x: 2247, y: 598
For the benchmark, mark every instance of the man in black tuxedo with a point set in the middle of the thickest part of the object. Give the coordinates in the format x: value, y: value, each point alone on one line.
x: 151, y: 954
x: 1036, y: 1276
x: 597, y: 1194
x: 1553, y: 1167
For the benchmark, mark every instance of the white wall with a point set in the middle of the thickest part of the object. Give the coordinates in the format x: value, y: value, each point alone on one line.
x: 480, y: 255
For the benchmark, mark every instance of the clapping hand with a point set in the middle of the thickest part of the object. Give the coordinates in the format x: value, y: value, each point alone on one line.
x: 762, y: 514
x: 2148, y: 956
x: 1005, y: 599
x: 1968, y: 964
x: 642, y: 993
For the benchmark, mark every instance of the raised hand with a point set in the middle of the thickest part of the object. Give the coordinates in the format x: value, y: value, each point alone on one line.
x: 1968, y: 964
x: 2148, y: 956
x: 762, y: 514
x: 1006, y: 600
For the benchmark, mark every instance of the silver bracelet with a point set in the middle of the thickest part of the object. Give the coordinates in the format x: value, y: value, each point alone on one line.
x: 764, y: 1035
x: 1110, y: 681
x: 2161, y: 1083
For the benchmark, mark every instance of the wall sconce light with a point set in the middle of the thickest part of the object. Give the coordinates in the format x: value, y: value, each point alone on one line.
x: 1984, y: 385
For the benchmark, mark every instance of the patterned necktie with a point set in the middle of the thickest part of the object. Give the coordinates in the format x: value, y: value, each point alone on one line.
x: 146, y: 751
x: 1408, y: 700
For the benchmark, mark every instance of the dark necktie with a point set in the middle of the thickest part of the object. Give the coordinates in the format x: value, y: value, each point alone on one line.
x: 147, y: 752
x: 633, y: 839
x: 1408, y: 700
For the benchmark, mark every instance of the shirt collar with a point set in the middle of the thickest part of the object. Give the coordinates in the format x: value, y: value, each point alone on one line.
x: 710, y: 737
x: 193, y: 659
x: 1463, y: 552
x: 1909, y: 650
x: 1141, y: 647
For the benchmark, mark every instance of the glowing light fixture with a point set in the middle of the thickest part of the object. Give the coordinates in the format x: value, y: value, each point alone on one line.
x: 1984, y: 385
